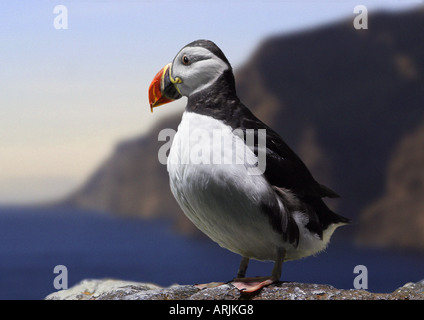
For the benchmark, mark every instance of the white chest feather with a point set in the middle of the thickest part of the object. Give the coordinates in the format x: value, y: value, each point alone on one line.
x: 211, y: 182
x: 210, y: 170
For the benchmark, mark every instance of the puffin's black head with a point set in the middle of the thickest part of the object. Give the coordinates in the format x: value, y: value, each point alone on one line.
x: 195, y: 67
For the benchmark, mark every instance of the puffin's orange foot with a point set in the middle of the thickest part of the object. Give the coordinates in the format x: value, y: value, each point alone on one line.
x: 249, y: 285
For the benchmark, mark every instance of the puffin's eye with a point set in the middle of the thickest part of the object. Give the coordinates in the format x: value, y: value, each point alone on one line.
x: 185, y: 60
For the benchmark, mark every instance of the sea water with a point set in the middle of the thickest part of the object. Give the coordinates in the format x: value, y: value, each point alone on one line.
x: 93, y: 245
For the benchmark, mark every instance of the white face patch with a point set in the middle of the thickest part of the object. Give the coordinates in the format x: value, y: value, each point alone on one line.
x: 203, y: 69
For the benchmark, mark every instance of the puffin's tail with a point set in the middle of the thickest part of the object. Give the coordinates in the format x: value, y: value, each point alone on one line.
x: 325, y: 215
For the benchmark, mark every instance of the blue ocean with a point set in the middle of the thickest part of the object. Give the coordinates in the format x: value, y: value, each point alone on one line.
x: 98, y: 245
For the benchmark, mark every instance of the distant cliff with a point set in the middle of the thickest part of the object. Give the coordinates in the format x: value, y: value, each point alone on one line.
x: 397, y: 218
x: 349, y: 102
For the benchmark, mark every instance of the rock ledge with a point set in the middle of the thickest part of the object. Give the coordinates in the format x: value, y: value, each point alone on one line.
x: 109, y: 289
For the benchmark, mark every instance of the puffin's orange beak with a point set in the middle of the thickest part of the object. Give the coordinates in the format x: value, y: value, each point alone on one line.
x: 162, y: 90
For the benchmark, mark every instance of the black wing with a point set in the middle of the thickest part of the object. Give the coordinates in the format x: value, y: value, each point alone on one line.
x: 284, y: 169
x: 293, y: 183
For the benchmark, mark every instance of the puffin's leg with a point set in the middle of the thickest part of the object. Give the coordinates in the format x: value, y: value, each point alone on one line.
x: 240, y: 274
x: 278, y: 265
x: 254, y: 284
x: 243, y: 267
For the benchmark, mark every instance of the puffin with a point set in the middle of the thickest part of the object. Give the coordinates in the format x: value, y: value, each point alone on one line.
x: 233, y: 176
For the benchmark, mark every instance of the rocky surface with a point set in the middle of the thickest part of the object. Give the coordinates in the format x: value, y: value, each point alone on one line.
x: 109, y: 289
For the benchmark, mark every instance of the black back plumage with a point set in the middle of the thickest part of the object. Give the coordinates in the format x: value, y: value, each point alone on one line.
x: 285, y: 171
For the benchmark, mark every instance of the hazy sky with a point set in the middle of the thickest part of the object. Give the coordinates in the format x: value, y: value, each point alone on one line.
x: 68, y: 95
